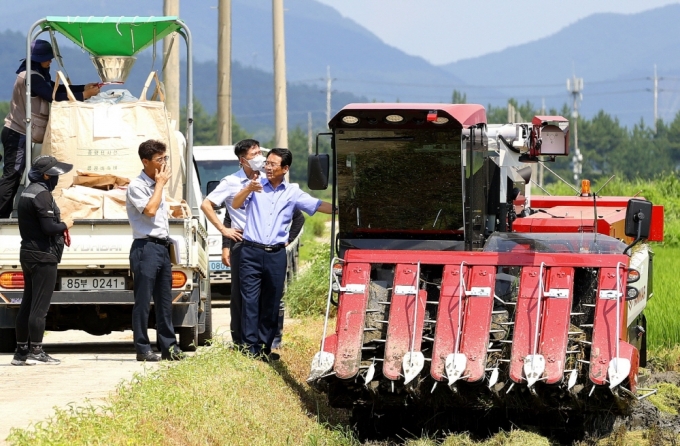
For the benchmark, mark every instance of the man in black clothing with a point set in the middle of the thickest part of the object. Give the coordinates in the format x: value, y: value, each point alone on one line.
x: 42, y: 243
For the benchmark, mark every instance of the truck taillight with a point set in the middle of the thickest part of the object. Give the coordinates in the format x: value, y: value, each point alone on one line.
x: 178, y: 279
x: 12, y: 280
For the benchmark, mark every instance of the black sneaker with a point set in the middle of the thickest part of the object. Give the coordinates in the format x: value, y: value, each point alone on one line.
x: 175, y: 354
x: 20, y: 357
x: 41, y: 358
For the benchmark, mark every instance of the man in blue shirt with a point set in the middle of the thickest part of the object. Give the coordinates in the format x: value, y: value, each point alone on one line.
x: 248, y: 152
x: 269, y: 212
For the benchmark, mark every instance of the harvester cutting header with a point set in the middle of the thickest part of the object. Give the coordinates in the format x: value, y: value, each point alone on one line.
x: 455, y: 287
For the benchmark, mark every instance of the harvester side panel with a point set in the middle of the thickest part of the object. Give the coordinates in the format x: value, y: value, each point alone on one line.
x: 604, y: 327
x: 404, y: 319
x: 554, y: 333
x: 351, y: 319
x: 447, y: 328
x: 477, y: 321
x: 526, y: 318
x: 631, y: 353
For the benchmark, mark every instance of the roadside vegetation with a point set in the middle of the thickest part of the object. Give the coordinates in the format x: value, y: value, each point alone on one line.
x: 223, y: 397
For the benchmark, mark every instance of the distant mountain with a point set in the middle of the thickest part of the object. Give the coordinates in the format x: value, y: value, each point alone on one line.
x: 613, y: 53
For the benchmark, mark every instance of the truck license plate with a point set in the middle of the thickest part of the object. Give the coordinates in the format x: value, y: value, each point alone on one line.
x: 92, y: 283
x: 218, y: 266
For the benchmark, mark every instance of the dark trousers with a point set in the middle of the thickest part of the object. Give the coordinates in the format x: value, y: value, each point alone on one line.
x: 39, y: 281
x: 236, y: 302
x: 152, y: 274
x: 262, y: 277
x: 14, y: 144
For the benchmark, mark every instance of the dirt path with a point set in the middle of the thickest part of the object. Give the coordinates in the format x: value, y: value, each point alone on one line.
x: 91, y: 368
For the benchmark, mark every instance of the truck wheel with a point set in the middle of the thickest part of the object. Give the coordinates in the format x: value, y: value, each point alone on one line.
x: 206, y: 336
x: 188, y: 338
x: 8, y: 340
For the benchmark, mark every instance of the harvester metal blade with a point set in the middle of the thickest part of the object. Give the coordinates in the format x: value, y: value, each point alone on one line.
x: 493, y: 379
x: 369, y: 374
x: 321, y: 364
x: 534, y: 366
x: 455, y: 366
x: 619, y: 368
x: 572, y: 379
x: 412, y: 363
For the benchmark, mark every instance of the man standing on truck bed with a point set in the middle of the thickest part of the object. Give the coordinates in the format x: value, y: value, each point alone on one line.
x: 251, y: 160
x: 263, y: 256
x: 150, y: 255
x: 42, y: 243
x: 14, y: 131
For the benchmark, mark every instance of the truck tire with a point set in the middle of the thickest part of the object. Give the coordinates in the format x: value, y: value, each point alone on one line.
x: 8, y: 340
x: 188, y: 338
x: 206, y: 336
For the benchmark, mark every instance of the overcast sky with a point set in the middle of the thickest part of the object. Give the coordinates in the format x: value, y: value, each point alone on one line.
x: 443, y: 31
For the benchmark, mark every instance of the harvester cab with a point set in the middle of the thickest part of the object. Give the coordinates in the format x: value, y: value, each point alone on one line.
x: 449, y: 273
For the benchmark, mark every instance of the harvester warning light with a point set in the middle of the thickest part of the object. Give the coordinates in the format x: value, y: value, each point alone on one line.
x: 432, y: 115
x: 585, y: 188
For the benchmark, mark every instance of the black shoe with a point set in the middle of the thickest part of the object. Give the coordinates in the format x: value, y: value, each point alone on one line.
x: 41, y: 358
x: 20, y: 357
x: 270, y: 357
x: 175, y: 354
x: 148, y: 357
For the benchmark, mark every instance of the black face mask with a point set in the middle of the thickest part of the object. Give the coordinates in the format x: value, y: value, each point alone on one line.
x: 52, y: 182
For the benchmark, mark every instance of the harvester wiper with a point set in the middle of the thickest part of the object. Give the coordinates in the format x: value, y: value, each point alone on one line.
x: 380, y: 138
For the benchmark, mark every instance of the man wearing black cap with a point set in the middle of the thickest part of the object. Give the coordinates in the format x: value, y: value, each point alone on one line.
x: 150, y: 256
x: 14, y: 132
x: 42, y: 243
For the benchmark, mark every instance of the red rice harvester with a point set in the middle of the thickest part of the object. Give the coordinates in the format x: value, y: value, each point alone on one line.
x: 453, y: 284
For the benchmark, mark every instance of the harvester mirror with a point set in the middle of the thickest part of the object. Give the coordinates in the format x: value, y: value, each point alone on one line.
x: 317, y: 171
x: 638, y: 218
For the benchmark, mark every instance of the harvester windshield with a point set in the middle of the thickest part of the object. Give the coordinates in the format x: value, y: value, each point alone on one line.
x: 399, y: 183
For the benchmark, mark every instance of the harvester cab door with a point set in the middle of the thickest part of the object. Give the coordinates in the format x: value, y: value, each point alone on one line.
x: 475, y: 187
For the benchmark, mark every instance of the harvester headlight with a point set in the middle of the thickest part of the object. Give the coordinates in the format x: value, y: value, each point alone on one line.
x: 350, y: 119
x: 394, y: 118
x: 633, y: 275
x: 440, y: 120
x: 631, y: 293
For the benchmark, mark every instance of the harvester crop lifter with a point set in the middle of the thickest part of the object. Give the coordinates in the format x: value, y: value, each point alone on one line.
x: 446, y: 269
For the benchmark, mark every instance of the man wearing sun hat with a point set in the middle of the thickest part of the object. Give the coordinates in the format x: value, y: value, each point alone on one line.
x: 14, y: 132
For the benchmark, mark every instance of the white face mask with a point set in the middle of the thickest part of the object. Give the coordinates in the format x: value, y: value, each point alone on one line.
x: 257, y: 163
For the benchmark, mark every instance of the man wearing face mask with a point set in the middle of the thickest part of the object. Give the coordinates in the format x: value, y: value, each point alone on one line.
x: 42, y: 243
x: 252, y: 163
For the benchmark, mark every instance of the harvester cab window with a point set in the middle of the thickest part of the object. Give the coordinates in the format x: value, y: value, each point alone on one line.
x: 399, y: 183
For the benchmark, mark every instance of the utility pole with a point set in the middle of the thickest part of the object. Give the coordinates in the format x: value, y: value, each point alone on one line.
x: 574, y: 87
x: 224, y: 72
x: 280, y: 100
x: 171, y: 70
x: 309, y: 133
x: 329, y: 83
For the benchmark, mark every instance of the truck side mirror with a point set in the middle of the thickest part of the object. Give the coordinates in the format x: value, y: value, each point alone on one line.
x: 638, y: 220
x: 211, y: 187
x: 317, y: 171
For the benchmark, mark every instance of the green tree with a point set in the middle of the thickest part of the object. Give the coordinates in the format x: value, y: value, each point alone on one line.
x: 459, y: 97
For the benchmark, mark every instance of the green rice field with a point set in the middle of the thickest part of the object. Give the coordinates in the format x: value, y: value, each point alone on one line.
x: 663, y: 309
